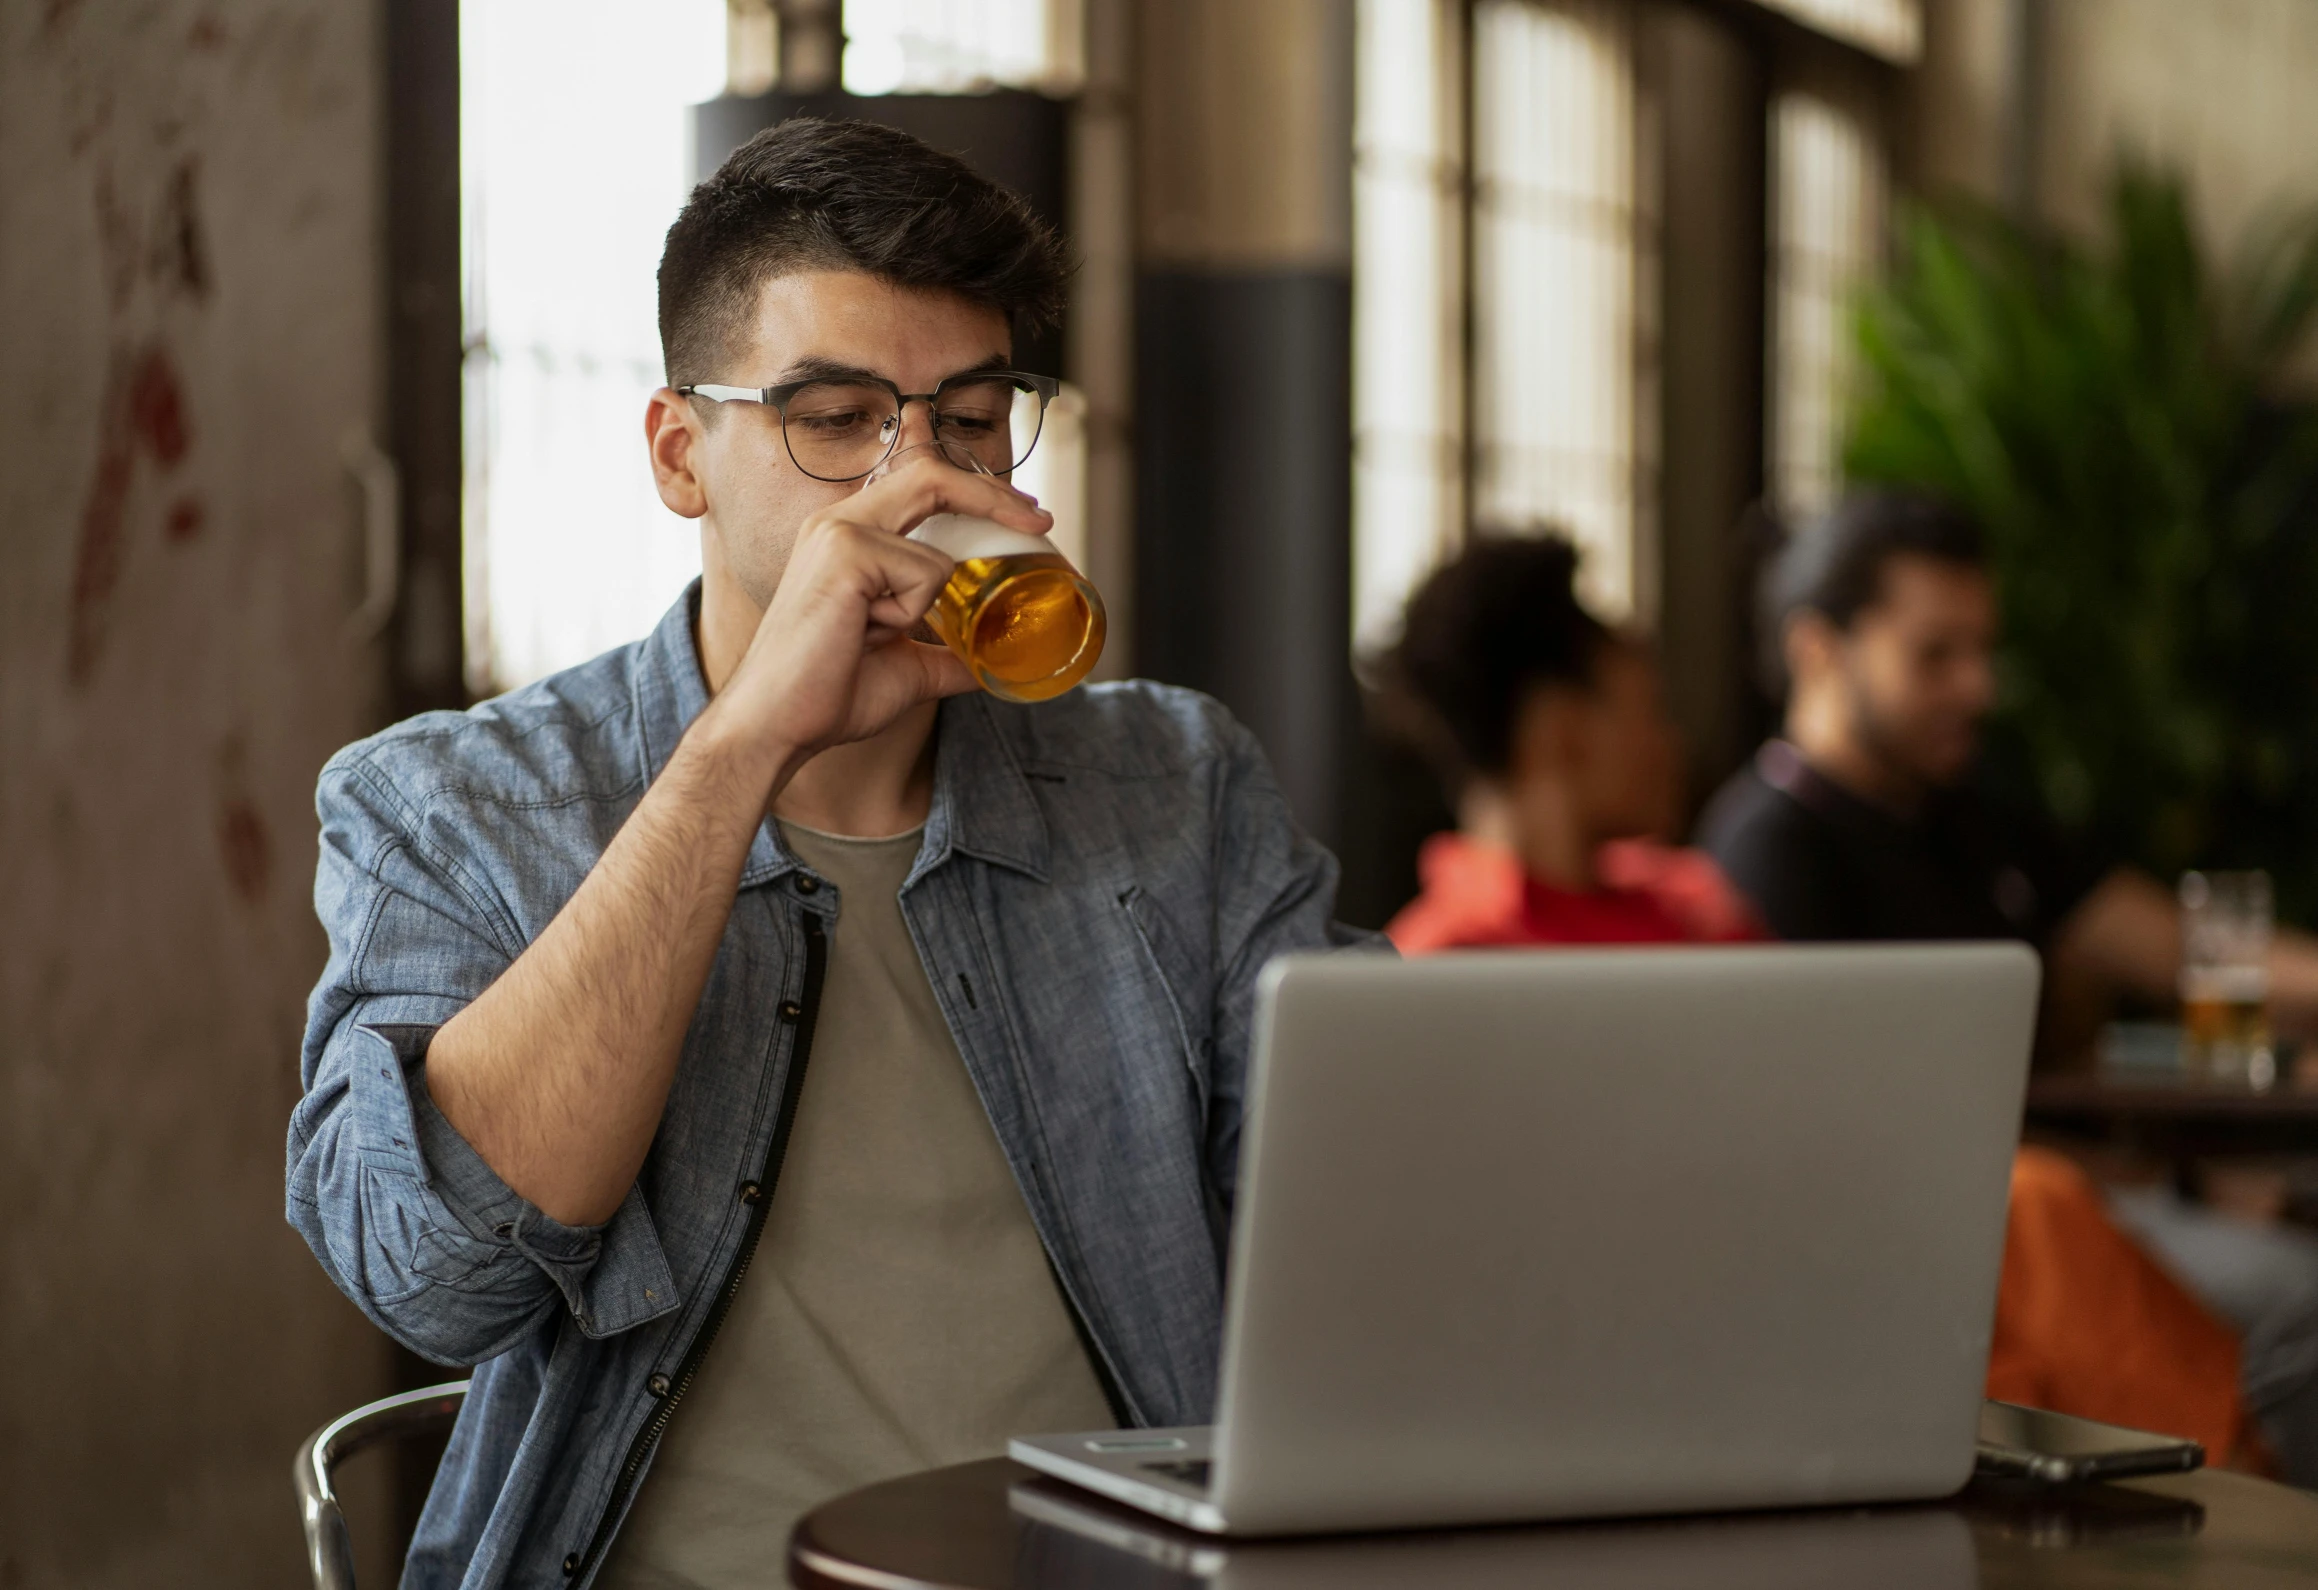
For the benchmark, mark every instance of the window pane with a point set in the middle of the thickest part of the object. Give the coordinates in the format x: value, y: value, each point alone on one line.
x: 574, y: 151
x: 1828, y: 193
x: 958, y: 46
x: 1406, y: 306
x: 1563, y: 239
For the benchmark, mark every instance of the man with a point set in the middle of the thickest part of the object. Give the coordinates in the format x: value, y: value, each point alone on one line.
x: 1864, y: 822
x: 772, y: 1064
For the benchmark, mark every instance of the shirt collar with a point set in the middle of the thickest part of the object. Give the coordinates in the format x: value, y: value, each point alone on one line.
x: 982, y: 803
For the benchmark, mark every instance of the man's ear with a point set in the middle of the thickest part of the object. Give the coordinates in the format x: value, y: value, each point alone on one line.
x: 674, y: 435
x: 1812, y: 647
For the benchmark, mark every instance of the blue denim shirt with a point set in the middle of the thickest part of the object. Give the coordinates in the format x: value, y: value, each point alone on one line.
x: 1101, y: 880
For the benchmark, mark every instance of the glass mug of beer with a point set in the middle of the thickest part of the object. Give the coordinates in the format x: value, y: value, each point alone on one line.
x: 1025, y: 623
x: 2226, y: 924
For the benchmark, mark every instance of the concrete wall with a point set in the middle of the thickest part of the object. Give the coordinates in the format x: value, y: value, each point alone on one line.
x: 2226, y: 89
x: 188, y: 324
x: 2221, y: 88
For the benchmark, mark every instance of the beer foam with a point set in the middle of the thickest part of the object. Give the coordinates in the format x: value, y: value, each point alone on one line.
x: 960, y: 537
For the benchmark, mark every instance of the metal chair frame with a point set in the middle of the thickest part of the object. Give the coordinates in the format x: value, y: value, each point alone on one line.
x: 328, y: 1546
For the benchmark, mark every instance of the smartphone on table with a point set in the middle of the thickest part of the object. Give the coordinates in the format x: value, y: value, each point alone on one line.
x: 2058, y: 1449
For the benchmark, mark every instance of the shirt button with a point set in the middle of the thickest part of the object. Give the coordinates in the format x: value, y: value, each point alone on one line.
x: 657, y: 1385
x: 748, y: 1192
x: 571, y: 1565
x: 791, y: 1010
x: 808, y: 884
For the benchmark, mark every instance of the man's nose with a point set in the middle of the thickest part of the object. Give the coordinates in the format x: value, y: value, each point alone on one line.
x: 917, y: 424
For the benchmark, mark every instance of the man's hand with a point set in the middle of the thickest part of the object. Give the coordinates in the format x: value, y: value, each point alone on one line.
x: 832, y: 660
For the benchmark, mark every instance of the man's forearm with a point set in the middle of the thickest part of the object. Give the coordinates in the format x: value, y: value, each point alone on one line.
x: 558, y: 1072
x: 2126, y: 935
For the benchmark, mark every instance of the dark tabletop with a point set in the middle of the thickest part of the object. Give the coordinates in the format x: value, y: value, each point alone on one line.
x: 2173, y: 1115
x: 994, y: 1526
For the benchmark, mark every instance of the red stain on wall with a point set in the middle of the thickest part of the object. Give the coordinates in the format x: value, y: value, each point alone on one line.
x: 96, y: 566
x: 184, y: 521
x: 157, y: 407
x: 144, y: 411
x: 247, y: 852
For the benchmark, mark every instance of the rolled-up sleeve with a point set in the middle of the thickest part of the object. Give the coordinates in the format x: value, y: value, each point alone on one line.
x: 405, y: 1216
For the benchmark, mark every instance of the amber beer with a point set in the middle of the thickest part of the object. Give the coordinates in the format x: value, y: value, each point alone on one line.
x: 1026, y: 624
x: 2225, y: 1023
x: 2226, y: 925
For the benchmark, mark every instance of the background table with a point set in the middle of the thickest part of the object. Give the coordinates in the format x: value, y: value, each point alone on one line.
x: 995, y: 1526
x: 2172, y: 1117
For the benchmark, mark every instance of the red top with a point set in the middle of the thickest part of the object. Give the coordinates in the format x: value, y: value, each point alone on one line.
x: 1475, y: 896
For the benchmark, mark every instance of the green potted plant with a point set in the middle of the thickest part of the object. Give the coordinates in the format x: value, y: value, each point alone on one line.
x: 2129, y: 425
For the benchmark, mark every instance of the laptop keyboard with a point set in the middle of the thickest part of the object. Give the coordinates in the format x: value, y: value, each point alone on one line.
x: 1191, y: 1471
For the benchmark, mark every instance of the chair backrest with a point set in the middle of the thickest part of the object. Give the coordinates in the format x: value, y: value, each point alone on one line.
x: 328, y: 1547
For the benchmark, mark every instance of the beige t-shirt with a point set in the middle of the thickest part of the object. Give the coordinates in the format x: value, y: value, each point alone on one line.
x: 899, y: 1312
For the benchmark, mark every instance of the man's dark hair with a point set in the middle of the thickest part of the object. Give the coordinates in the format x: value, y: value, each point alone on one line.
x: 1835, y: 565
x: 1480, y: 633
x: 810, y: 194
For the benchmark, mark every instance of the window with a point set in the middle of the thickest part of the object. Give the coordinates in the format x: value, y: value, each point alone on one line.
x: 1559, y: 292
x: 1407, y: 305
x: 1828, y: 195
x: 959, y: 46
x: 575, y: 157
x: 1563, y: 246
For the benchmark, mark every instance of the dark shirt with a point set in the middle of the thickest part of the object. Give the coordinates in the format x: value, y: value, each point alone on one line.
x: 1820, y: 863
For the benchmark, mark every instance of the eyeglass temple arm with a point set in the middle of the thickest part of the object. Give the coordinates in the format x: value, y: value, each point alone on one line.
x: 724, y: 394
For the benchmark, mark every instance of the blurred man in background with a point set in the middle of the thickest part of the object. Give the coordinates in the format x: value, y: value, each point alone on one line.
x: 1865, y: 820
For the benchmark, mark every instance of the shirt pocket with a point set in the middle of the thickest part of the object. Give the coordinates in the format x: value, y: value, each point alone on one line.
x: 1182, y: 981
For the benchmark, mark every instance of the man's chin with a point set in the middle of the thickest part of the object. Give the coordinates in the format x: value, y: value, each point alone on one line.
x: 1949, y: 767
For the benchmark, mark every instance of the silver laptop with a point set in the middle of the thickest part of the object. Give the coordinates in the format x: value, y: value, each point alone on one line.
x: 1535, y: 1235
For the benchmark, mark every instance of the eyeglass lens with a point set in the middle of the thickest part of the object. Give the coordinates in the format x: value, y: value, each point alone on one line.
x: 840, y: 430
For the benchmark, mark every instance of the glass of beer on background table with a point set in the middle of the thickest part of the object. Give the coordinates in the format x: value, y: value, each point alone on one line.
x: 2226, y: 924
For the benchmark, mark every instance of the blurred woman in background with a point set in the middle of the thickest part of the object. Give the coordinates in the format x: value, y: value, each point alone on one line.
x: 1550, y: 732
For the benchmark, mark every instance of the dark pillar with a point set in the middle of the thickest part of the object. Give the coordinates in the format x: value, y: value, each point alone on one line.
x: 1243, y: 321
x: 425, y: 356
x: 1243, y: 575
x: 1714, y: 93
x: 424, y: 347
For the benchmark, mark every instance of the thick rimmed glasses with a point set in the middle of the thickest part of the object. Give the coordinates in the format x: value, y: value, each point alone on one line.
x: 839, y: 428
